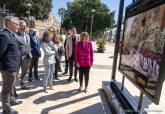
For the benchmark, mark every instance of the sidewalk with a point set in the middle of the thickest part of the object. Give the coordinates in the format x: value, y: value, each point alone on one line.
x: 64, y: 98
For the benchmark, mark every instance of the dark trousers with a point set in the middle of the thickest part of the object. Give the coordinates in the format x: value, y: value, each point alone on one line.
x: 71, y: 63
x: 57, y: 65
x: 84, y: 72
x: 66, y: 65
x: 34, y: 64
x: 24, y: 68
x: 59, y: 69
x: 8, y: 80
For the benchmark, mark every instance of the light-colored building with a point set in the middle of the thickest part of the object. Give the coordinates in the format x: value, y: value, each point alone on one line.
x: 50, y: 23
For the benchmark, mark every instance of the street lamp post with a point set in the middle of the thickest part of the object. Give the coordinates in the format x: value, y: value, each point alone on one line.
x: 29, y: 6
x: 119, y: 25
x: 62, y: 19
x: 93, y: 11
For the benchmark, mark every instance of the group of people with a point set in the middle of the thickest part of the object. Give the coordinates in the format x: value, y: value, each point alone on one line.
x: 20, y: 51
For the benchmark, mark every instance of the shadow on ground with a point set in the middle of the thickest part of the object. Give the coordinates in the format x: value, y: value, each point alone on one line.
x: 56, y: 96
x: 93, y: 109
x: 28, y: 94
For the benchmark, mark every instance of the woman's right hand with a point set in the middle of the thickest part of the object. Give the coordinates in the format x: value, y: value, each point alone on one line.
x: 78, y: 65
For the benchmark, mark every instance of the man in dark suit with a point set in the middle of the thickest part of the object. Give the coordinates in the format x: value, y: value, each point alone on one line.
x: 9, y: 61
x: 36, y: 53
x: 25, y: 49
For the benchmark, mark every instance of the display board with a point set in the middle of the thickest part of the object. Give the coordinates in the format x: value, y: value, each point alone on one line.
x: 142, y: 47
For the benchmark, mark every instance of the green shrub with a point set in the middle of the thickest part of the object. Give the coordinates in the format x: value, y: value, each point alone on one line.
x: 101, y: 43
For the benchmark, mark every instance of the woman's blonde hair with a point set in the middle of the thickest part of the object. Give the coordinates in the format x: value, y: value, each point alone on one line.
x: 83, y: 35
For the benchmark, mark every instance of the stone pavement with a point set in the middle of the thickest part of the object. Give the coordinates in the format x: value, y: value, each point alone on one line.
x: 64, y: 98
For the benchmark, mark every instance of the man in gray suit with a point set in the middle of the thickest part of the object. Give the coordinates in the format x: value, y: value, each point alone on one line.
x: 25, y: 49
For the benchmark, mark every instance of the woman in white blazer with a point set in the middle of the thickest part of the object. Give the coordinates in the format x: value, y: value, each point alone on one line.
x: 49, y: 60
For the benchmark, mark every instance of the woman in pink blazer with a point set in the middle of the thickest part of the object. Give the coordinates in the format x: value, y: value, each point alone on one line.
x: 84, y: 58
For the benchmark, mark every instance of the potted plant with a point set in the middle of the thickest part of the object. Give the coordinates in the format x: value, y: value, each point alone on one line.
x: 101, y: 43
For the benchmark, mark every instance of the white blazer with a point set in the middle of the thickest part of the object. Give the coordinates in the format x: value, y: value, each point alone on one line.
x: 49, y: 52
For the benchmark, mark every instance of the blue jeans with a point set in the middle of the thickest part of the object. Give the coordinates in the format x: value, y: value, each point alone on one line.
x: 48, y: 78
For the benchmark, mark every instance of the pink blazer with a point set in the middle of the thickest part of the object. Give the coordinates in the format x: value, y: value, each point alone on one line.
x: 84, y: 54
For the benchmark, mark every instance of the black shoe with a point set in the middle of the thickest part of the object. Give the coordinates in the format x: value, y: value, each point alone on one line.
x: 69, y: 79
x: 16, y: 95
x: 25, y: 87
x: 15, y: 103
x: 57, y: 79
x: 30, y: 80
x: 10, y: 111
x: 37, y: 78
x: 64, y: 73
x: 76, y: 79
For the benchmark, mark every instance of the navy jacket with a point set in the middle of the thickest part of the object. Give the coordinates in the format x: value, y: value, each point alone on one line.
x: 35, y: 46
x: 9, y: 51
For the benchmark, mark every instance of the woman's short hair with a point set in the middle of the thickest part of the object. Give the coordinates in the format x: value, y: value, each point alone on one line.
x: 45, y: 37
x: 83, y: 35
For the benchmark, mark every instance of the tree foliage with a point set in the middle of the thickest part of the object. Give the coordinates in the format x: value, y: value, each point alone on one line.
x: 78, y: 13
x: 61, y: 12
x: 40, y: 9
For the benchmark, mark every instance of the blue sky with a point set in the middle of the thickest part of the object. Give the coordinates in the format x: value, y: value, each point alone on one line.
x: 112, y: 4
